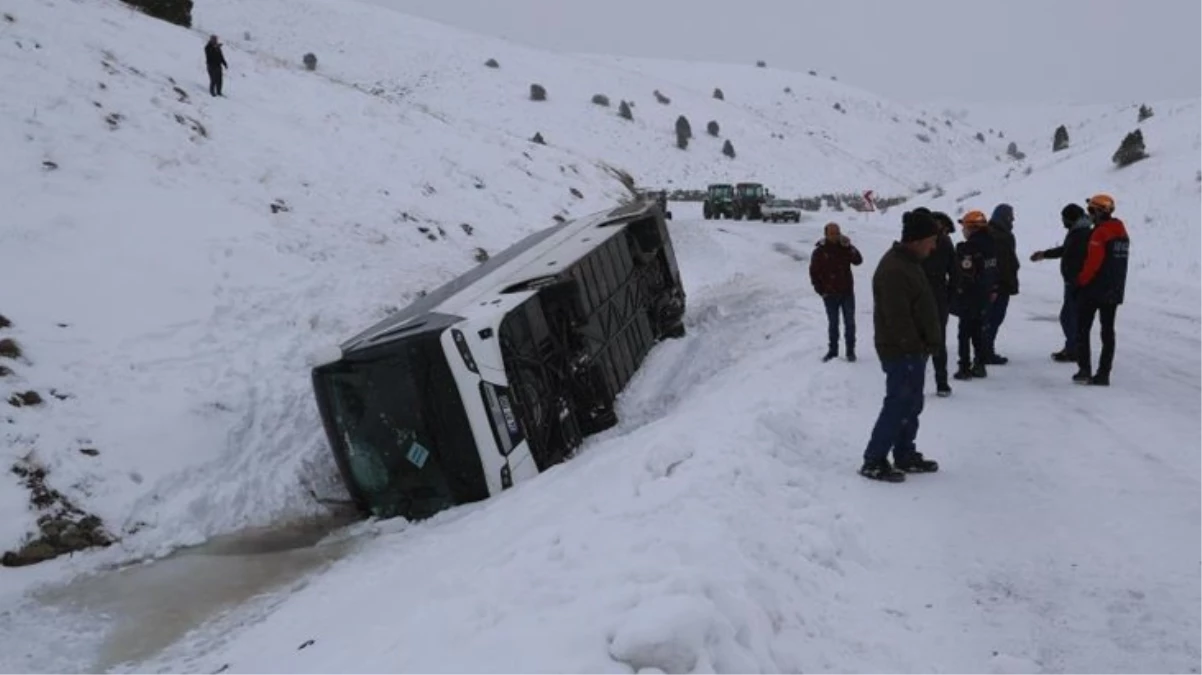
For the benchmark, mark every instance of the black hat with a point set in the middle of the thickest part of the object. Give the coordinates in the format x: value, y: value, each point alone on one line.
x: 918, y: 224
x: 1071, y: 213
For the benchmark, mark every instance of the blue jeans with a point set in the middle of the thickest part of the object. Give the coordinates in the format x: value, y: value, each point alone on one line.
x: 897, y: 425
x: 1068, y: 318
x: 834, y: 305
x: 994, y: 319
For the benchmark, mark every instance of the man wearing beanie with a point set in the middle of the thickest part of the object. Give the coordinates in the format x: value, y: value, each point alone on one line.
x: 942, y: 272
x: 1001, y: 227
x: 1071, y: 255
x: 905, y: 320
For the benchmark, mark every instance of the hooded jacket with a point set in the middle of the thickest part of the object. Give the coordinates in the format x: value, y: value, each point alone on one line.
x: 1001, y: 226
x: 1072, y: 252
x: 977, y: 277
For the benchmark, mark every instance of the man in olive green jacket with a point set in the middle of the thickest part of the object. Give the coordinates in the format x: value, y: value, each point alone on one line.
x: 906, y: 322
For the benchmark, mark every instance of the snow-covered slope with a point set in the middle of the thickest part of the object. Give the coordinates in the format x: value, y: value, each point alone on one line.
x: 797, y: 142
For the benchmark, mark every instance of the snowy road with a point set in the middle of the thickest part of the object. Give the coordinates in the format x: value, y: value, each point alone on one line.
x: 722, y: 526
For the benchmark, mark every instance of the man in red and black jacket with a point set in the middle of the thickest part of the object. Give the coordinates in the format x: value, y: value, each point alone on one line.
x: 1101, y: 284
x: 830, y: 272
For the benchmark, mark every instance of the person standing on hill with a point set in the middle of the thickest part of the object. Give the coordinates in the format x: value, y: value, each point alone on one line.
x: 1102, y: 282
x: 905, y: 320
x: 830, y: 273
x: 940, y: 267
x: 976, y: 288
x: 215, y: 62
x: 1071, y: 255
x: 1001, y: 226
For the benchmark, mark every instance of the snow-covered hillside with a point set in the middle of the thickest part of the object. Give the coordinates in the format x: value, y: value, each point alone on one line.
x: 797, y: 142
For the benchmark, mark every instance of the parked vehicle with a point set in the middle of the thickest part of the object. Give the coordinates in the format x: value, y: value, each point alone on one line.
x: 719, y: 201
x: 499, y: 374
x: 780, y: 210
x: 749, y: 201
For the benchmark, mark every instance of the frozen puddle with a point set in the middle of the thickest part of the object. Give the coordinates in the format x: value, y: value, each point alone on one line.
x: 138, y: 611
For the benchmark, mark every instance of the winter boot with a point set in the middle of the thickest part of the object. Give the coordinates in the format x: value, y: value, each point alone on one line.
x: 1082, y: 377
x: 1064, y: 356
x: 996, y: 360
x: 851, y: 354
x: 830, y: 354
x: 1100, y: 380
x: 942, y: 390
x: 916, y: 463
x: 882, y: 471
x: 963, y: 373
x: 978, y: 370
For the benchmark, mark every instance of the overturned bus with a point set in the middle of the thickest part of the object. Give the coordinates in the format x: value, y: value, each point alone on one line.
x: 499, y: 374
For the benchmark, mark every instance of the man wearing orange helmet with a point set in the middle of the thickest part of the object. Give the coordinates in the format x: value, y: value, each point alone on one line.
x: 976, y: 288
x: 1102, y: 283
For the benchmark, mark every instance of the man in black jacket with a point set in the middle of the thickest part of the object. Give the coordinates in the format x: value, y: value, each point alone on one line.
x: 905, y: 325
x: 214, y: 61
x: 1071, y: 255
x: 940, y: 268
x: 1001, y: 226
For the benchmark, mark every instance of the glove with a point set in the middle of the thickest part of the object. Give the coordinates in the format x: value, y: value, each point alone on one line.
x: 1037, y: 256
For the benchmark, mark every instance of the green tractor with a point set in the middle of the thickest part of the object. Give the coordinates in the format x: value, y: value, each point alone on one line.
x: 719, y: 201
x: 749, y: 201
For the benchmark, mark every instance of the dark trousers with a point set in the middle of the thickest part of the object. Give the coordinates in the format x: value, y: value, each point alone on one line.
x: 1087, y: 310
x: 994, y: 319
x: 897, y: 425
x: 834, y: 305
x: 215, y: 81
x: 972, y: 340
x: 939, y: 359
x: 1068, y: 318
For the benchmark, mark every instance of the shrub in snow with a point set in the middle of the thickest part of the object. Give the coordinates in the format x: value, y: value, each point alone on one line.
x: 310, y: 61
x: 711, y: 128
x: 538, y: 138
x: 25, y: 398
x: 492, y: 63
x: 1013, y: 151
x: 246, y: 35
x: 761, y: 64
x: 537, y: 92
x: 10, y: 18
x: 178, y: 12
x: 719, y: 95
x: 728, y: 149
x: 4, y: 322
x: 683, y: 127
x: 814, y: 73
x: 1144, y: 112
x: 9, y: 349
x: 601, y: 100
x: 1131, y: 150
x: 839, y: 106
x: 833, y: 78
x: 923, y: 137
x: 624, y: 111
x: 980, y: 137
x: 788, y: 90
x: 660, y: 98
x: 480, y: 255
x: 1060, y: 139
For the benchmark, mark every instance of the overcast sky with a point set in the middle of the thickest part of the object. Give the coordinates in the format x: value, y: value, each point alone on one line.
x: 1072, y: 51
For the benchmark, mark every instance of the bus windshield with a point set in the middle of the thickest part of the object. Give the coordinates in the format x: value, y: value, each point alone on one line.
x: 398, y: 428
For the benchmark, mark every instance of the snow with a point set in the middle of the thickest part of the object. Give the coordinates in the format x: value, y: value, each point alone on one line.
x: 720, y: 527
